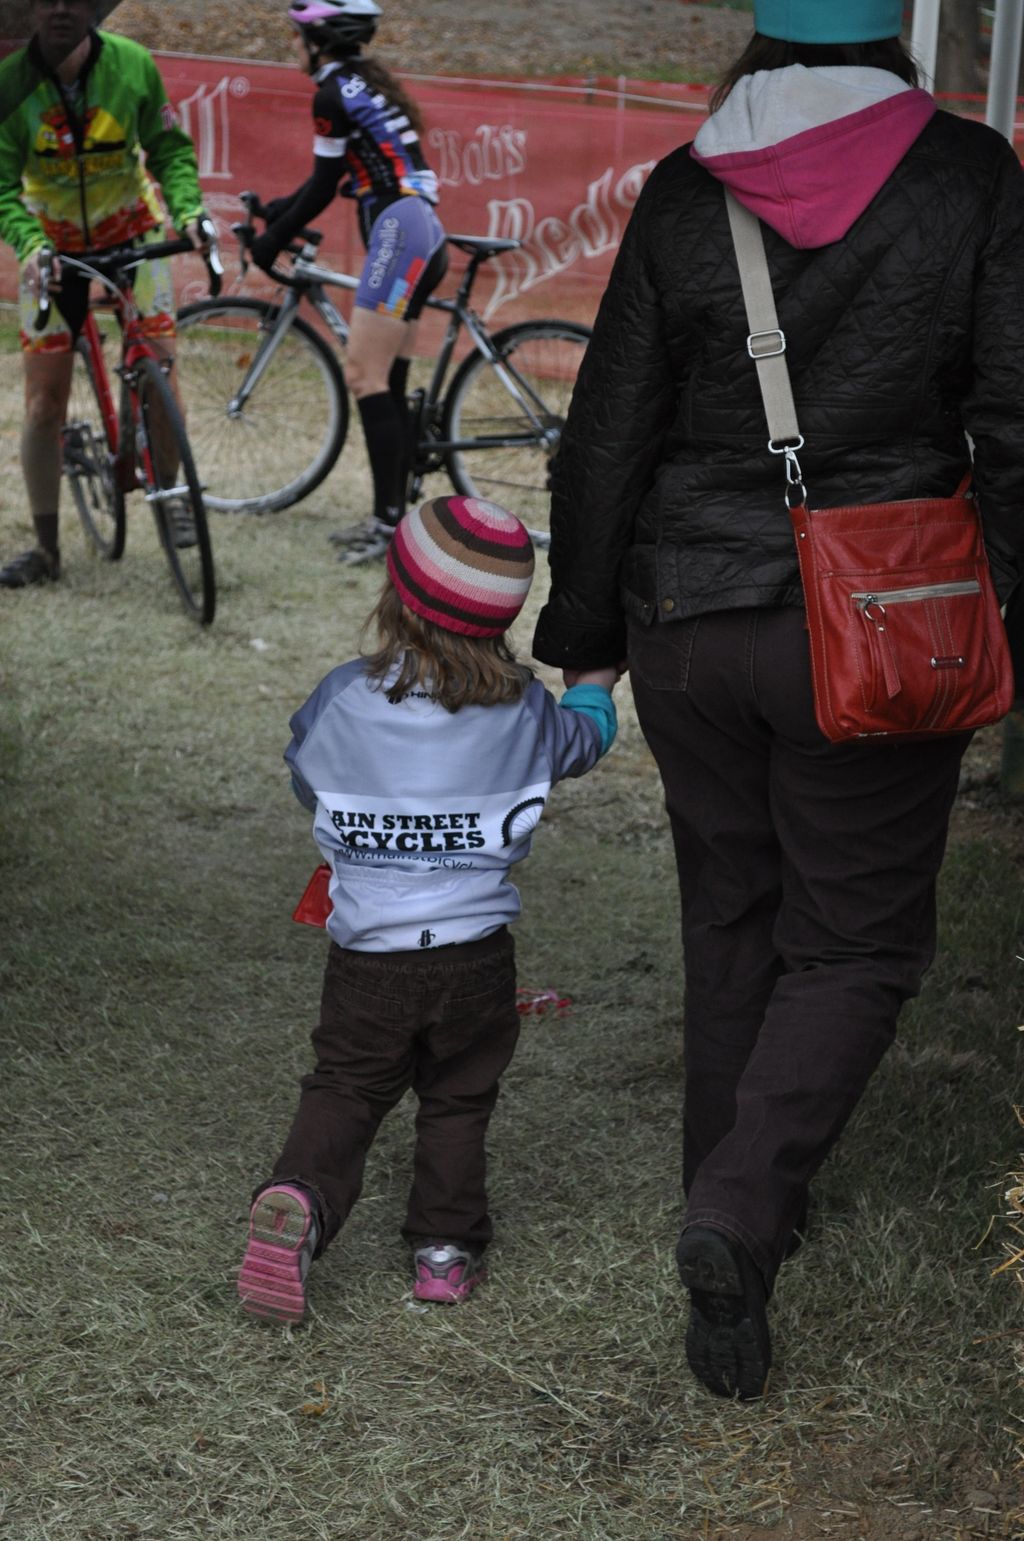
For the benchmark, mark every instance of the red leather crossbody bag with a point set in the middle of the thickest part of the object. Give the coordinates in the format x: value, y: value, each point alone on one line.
x: 906, y: 635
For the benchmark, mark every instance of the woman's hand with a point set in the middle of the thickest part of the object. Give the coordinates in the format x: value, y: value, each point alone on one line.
x: 606, y: 678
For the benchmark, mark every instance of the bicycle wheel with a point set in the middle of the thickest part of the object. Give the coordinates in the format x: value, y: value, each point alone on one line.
x: 89, y: 462
x: 262, y: 448
x: 506, y: 418
x: 168, y: 474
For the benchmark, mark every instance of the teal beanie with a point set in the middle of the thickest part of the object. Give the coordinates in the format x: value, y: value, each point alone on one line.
x: 828, y: 21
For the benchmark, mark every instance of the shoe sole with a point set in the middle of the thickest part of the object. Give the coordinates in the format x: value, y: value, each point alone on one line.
x: 347, y: 539
x: 270, y: 1281
x: 724, y: 1347
x: 362, y: 558
x: 443, y: 1293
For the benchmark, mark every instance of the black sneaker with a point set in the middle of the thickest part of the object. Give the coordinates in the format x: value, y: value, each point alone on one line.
x: 353, y: 534
x: 33, y: 566
x: 727, y: 1341
x: 367, y: 545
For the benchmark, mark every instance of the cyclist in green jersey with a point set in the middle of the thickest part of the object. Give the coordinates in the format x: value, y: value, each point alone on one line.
x: 80, y: 107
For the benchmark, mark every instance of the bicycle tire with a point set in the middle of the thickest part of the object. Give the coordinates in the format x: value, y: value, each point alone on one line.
x: 191, y: 564
x: 288, y: 436
x: 544, y: 358
x: 89, y: 463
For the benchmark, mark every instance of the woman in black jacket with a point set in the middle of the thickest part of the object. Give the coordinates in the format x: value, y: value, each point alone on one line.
x: 895, y: 242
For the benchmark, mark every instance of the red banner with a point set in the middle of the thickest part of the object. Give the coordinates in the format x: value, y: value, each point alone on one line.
x: 555, y: 164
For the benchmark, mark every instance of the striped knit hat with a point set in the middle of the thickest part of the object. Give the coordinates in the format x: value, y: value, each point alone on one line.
x: 462, y: 563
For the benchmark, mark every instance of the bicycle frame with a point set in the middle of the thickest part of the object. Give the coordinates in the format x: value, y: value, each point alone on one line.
x: 308, y: 279
x: 90, y: 339
x: 123, y: 430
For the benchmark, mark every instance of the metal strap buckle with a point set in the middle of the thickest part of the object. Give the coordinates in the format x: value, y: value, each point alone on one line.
x: 796, y: 493
x: 758, y: 345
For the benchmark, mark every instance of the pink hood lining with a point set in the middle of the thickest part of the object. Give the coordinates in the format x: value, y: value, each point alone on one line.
x: 812, y: 187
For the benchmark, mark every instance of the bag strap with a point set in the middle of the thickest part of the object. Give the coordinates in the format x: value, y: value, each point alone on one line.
x: 766, y: 343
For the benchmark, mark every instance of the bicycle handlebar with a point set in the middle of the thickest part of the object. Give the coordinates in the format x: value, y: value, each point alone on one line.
x: 479, y: 249
x: 245, y: 234
x: 114, y: 259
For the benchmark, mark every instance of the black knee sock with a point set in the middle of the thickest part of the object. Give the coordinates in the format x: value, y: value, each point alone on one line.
x: 398, y: 382
x: 398, y: 385
x: 46, y: 532
x: 384, y: 429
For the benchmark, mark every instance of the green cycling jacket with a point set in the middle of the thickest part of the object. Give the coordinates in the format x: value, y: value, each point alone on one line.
x: 71, y: 166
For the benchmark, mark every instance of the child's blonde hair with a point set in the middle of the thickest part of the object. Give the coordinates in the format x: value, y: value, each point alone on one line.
x: 453, y: 669
x: 459, y: 569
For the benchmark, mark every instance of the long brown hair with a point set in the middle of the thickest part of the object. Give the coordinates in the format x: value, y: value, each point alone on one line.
x: 379, y: 78
x: 773, y: 53
x: 452, y: 669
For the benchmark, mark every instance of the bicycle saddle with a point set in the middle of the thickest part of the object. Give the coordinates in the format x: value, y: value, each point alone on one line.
x: 485, y: 245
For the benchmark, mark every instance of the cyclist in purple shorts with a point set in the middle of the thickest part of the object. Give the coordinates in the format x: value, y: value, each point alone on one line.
x: 367, y: 139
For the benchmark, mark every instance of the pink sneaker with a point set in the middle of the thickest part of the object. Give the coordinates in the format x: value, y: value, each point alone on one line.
x: 446, y: 1272
x: 282, y: 1239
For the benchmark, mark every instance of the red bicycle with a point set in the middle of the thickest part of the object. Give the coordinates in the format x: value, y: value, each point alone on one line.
x: 141, y: 442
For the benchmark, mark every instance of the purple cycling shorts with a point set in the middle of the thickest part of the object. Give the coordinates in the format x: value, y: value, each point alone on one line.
x: 406, y: 259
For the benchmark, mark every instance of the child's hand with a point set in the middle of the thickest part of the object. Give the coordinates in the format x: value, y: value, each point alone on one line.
x: 606, y: 678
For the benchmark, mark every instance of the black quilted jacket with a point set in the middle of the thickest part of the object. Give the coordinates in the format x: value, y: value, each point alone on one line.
x: 901, y: 337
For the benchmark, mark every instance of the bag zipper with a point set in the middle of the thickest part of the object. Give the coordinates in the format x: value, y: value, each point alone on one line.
x: 921, y: 591
x: 872, y: 608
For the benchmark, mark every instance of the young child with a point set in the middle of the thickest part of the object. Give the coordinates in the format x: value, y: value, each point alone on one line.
x: 426, y: 765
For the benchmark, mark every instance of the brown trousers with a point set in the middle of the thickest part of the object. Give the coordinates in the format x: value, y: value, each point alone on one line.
x: 807, y: 876
x: 443, y: 1022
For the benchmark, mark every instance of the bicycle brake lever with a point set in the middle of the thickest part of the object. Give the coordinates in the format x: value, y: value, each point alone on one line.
x: 45, y: 270
x: 215, y: 270
x: 214, y: 266
x: 244, y: 235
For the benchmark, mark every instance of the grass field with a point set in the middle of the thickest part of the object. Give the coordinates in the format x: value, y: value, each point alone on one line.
x: 156, y: 1006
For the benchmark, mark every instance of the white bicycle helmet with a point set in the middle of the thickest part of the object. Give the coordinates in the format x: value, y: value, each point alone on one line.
x: 338, y: 24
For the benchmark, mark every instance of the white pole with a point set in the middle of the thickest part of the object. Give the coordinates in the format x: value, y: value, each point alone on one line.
x: 1004, y: 70
x: 924, y: 39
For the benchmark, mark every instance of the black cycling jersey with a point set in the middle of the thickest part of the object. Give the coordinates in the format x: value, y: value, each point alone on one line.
x: 363, y: 141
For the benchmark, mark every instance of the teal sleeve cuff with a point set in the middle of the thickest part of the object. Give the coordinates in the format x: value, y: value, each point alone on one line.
x: 594, y: 702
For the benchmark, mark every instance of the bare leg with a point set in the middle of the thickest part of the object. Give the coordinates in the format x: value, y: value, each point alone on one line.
x: 164, y: 446
x: 177, y: 510
x: 374, y: 344
x: 47, y: 388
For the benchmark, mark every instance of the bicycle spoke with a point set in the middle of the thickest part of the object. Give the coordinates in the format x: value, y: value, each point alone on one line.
x: 503, y: 447
x: 89, y: 464
x: 273, y: 449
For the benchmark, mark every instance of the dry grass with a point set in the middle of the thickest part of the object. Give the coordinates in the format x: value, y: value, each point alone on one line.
x: 156, y: 1004
x: 1013, y: 1242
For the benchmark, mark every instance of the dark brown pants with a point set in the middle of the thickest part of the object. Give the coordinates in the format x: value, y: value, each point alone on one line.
x: 807, y: 875
x: 445, y: 1024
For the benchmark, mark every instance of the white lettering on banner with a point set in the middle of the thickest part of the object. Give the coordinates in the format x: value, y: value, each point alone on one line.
x: 551, y: 245
x: 494, y: 152
x: 205, y: 118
